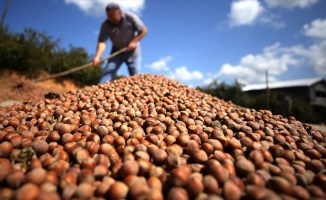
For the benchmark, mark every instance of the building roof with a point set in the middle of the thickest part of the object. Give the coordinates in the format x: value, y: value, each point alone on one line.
x: 283, y: 84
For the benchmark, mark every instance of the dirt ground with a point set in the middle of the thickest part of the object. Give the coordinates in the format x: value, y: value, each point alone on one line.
x: 321, y: 127
x: 17, y: 88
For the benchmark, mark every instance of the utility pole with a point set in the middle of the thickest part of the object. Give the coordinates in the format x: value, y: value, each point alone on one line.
x: 267, y: 91
x: 4, y: 13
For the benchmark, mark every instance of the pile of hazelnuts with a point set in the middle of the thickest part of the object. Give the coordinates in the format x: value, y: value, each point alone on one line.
x: 149, y: 137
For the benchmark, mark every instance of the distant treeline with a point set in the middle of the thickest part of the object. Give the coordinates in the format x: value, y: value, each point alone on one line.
x: 300, y: 108
x: 32, y: 52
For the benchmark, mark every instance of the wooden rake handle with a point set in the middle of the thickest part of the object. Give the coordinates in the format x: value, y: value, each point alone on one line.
x: 80, y: 67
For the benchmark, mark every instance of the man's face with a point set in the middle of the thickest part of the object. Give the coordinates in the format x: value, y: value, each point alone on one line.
x: 114, y: 16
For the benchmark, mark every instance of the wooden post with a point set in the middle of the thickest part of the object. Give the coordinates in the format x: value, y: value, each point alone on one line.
x: 267, y: 90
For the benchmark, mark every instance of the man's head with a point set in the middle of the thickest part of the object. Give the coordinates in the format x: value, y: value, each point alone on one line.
x: 113, y: 13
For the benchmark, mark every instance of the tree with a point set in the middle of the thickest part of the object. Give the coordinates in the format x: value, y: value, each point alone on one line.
x: 227, y: 92
x: 32, y: 52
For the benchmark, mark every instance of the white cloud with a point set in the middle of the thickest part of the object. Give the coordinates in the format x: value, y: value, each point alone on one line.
x: 277, y: 59
x: 274, y: 58
x: 182, y: 74
x: 314, y: 55
x: 161, y: 64
x: 291, y: 3
x: 317, y: 58
x: 249, y: 12
x: 316, y: 29
x: 272, y: 20
x: 82, y: 4
x: 242, y: 73
x: 252, y: 68
x: 97, y: 7
x: 207, y: 81
x: 244, y: 12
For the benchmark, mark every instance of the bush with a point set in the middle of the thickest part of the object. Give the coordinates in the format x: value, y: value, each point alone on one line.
x: 31, y: 53
x: 228, y: 92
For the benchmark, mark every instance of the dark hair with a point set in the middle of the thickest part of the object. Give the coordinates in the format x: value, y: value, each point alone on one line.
x: 112, y: 6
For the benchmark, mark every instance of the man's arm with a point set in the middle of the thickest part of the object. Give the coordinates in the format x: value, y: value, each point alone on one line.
x: 99, y: 51
x: 132, y: 45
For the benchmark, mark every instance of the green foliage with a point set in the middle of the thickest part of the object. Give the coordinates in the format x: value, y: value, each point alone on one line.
x: 28, y: 52
x: 228, y: 92
x: 117, y: 77
x: 31, y: 52
x: 303, y: 111
x: 320, y: 114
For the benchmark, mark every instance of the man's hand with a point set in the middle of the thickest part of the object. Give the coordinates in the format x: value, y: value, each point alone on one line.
x: 99, y: 51
x: 132, y: 45
x: 96, y: 61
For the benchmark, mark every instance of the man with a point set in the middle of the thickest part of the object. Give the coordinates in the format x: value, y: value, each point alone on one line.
x: 124, y: 30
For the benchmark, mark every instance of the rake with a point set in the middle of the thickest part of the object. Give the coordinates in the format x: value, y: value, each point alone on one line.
x: 80, y: 67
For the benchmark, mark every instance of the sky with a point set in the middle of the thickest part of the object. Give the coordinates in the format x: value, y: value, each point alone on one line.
x: 197, y: 41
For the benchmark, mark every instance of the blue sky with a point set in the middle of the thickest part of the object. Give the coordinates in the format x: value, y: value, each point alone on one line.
x: 197, y: 41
